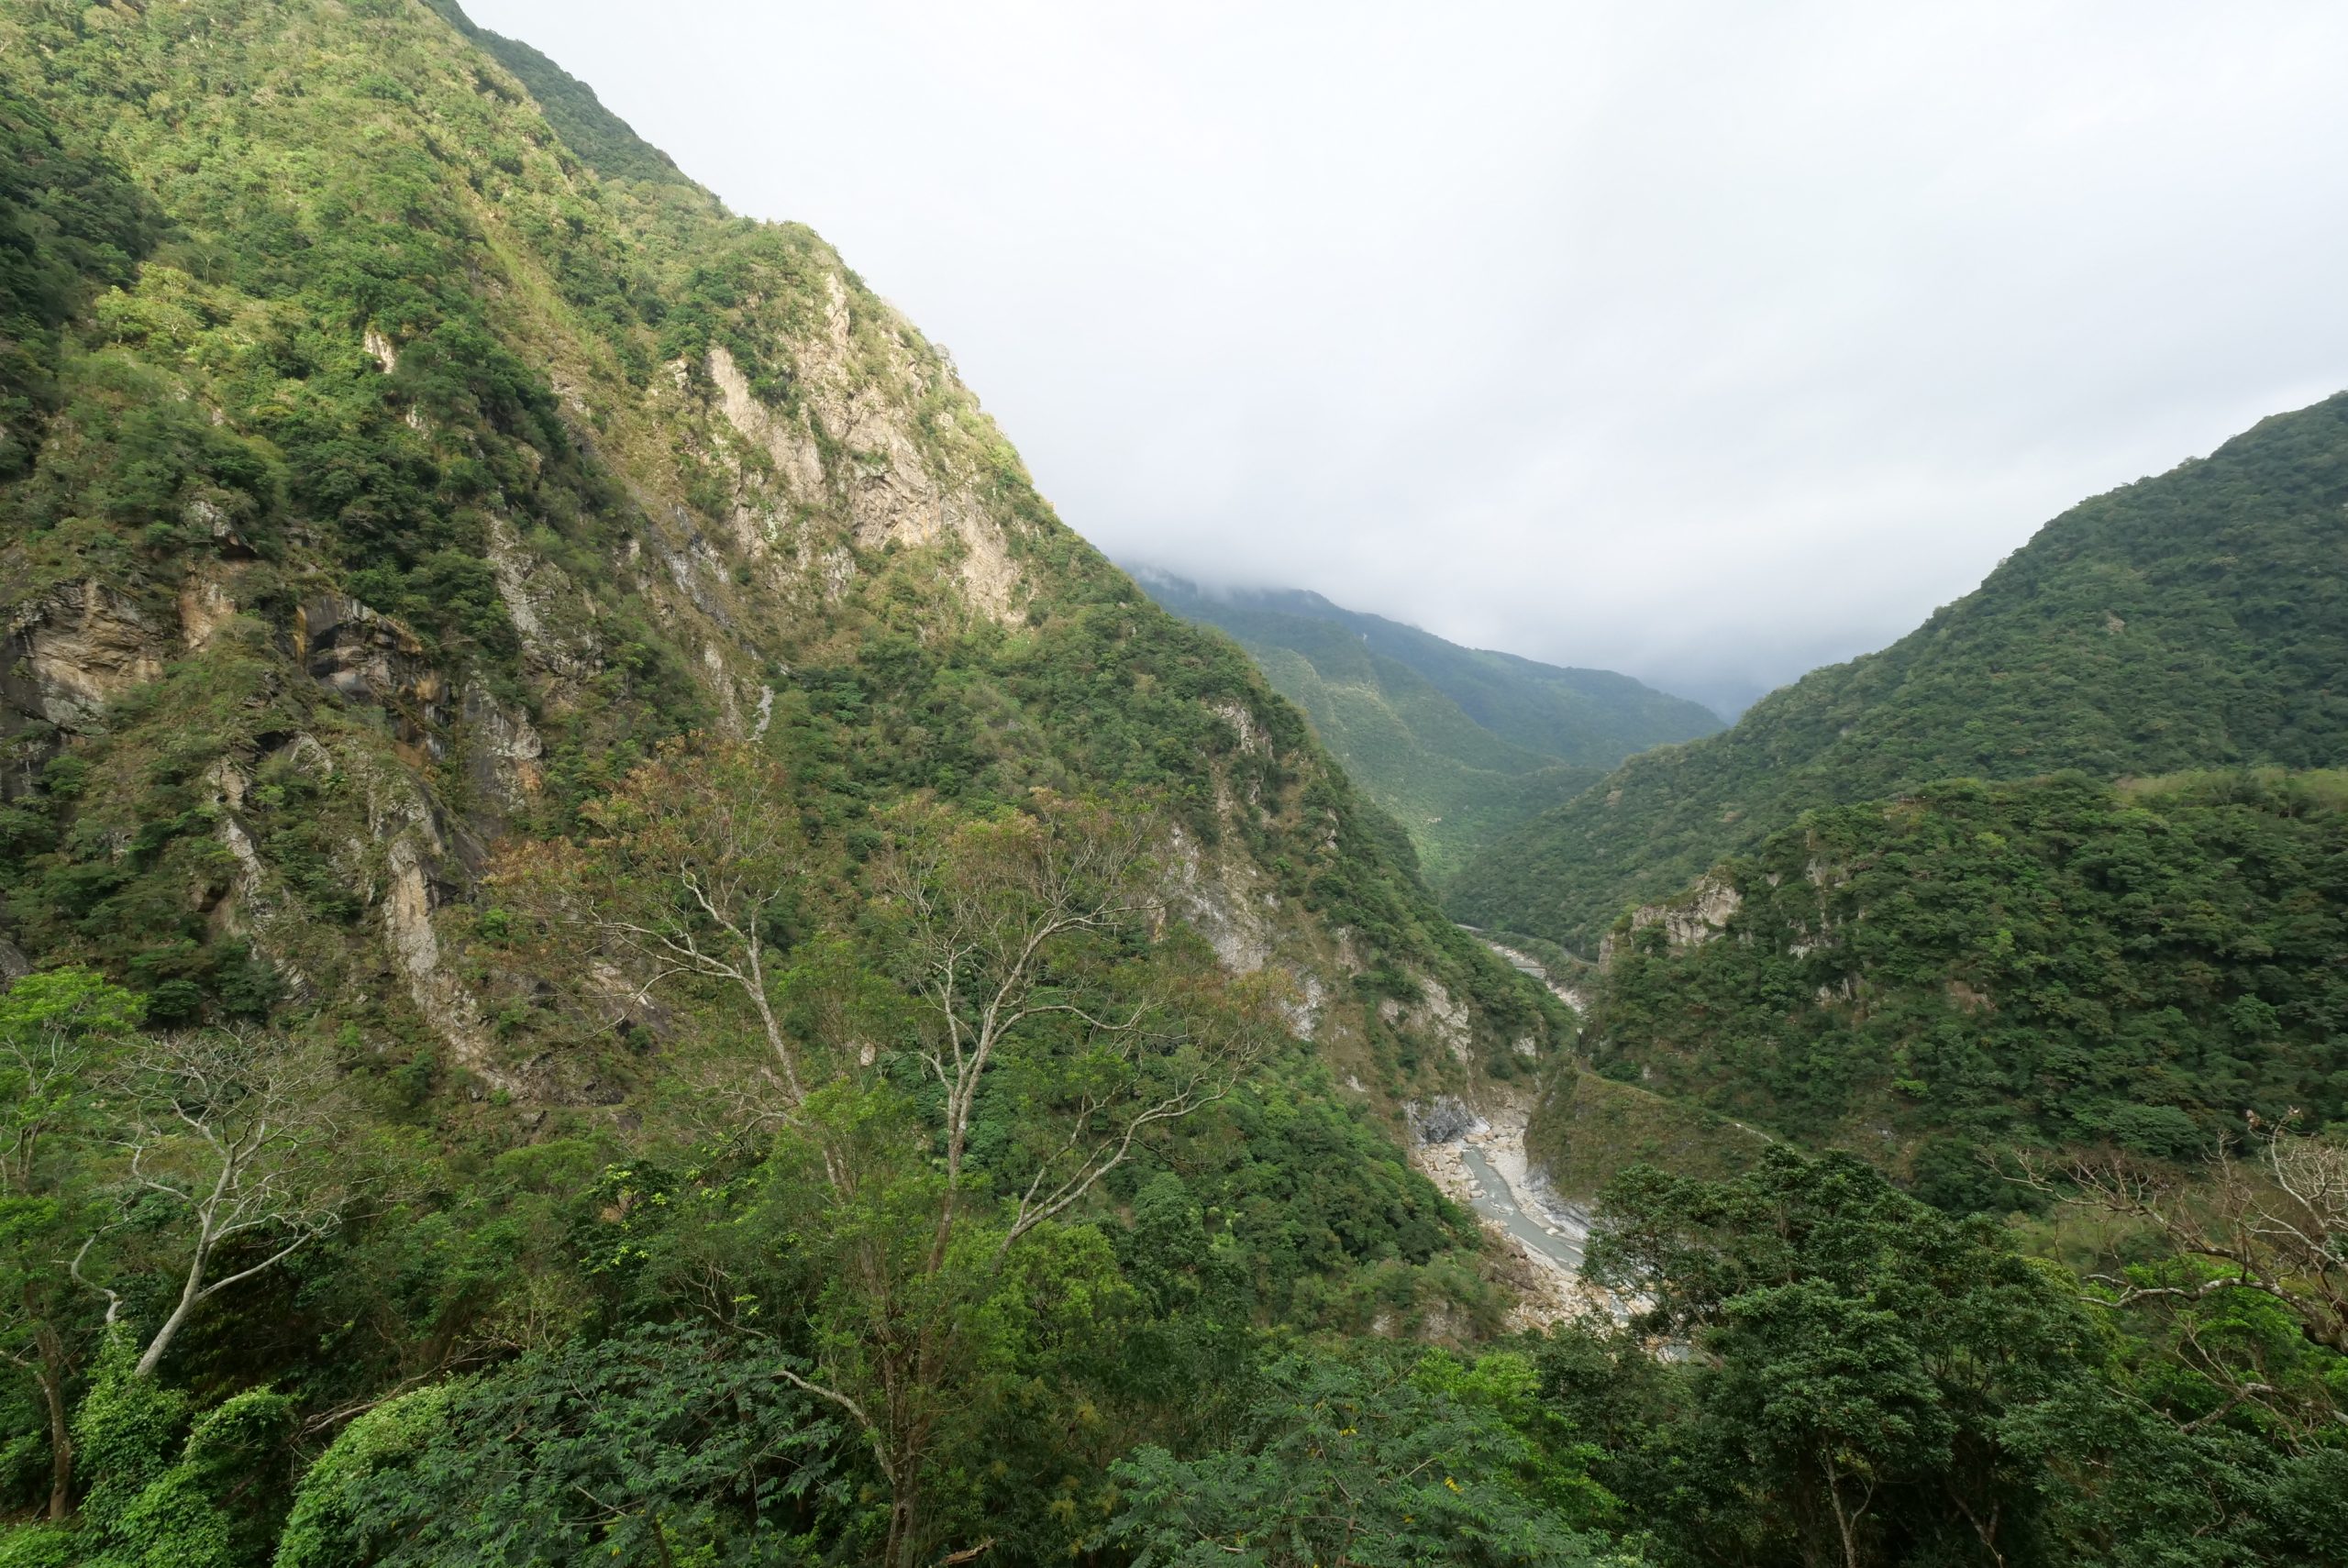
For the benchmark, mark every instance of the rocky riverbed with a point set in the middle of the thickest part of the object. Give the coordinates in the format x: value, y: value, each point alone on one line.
x: 1479, y: 1161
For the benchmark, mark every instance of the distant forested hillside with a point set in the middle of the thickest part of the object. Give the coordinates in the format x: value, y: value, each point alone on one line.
x: 2198, y: 619
x: 1978, y: 967
x: 1459, y: 743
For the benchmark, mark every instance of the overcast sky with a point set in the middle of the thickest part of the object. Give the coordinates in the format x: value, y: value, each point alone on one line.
x: 1707, y: 342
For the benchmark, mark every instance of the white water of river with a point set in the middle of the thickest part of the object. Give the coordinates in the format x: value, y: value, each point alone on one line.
x: 1551, y: 1237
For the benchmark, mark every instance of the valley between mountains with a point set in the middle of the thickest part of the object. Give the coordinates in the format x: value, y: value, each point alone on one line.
x: 622, y: 948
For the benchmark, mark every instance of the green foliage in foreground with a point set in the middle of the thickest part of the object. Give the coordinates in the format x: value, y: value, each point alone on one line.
x: 1978, y: 967
x: 861, y: 1297
x: 1865, y: 1380
x: 659, y: 1443
x: 642, y: 1362
x: 1383, y: 1459
x: 2195, y: 620
x: 1459, y: 743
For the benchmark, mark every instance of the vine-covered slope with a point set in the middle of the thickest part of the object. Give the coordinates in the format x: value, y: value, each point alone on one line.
x: 2198, y: 619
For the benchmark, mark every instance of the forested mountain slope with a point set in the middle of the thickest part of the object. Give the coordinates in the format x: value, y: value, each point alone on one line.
x: 521, y: 688
x: 1974, y: 968
x: 1459, y: 743
x: 398, y: 457
x: 600, y: 138
x: 2198, y: 619
x: 622, y: 951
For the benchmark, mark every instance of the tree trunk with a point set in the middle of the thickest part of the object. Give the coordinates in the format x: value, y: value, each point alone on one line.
x: 1844, y: 1522
x: 51, y: 1377
x: 193, y: 1289
x: 899, y: 1552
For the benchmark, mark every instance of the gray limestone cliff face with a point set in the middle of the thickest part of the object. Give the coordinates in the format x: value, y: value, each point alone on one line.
x: 81, y: 648
x: 77, y: 647
x: 855, y: 445
x: 1695, y: 916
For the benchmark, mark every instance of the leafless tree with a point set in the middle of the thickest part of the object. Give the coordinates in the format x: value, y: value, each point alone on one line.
x: 2271, y: 1218
x: 688, y: 859
x: 982, y: 907
x: 232, y: 1130
x: 990, y: 923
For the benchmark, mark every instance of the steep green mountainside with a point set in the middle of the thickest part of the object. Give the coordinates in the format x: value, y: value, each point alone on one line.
x: 2198, y: 619
x: 1459, y: 743
x: 432, y: 477
x: 603, y: 142
x: 536, y: 653
x: 1975, y: 968
x: 620, y: 950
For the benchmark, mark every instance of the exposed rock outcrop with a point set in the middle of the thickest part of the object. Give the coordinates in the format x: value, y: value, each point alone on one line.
x: 1216, y: 894
x: 365, y: 656
x: 1440, y: 1121
x: 204, y: 608
x: 1697, y: 915
x: 539, y: 600
x: 401, y: 821
x: 79, y: 647
x: 893, y: 482
x: 502, y: 753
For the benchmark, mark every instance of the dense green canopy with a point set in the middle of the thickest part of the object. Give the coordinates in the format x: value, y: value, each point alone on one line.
x: 1976, y: 967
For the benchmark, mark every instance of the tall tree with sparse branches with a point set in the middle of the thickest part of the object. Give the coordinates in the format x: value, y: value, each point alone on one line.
x: 682, y: 874
x: 1010, y: 1027
x: 1048, y: 1012
x: 230, y: 1133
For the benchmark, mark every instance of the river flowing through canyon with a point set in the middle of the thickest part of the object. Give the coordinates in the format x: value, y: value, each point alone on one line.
x: 1497, y: 1199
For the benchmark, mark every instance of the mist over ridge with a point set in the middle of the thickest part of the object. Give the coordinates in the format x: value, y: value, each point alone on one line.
x: 1709, y: 347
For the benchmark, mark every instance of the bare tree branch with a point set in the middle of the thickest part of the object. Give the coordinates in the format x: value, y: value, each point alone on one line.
x: 229, y: 1128
x: 2274, y: 1224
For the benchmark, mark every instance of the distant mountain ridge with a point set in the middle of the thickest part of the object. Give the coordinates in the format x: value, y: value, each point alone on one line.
x: 2197, y: 619
x: 1459, y: 743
